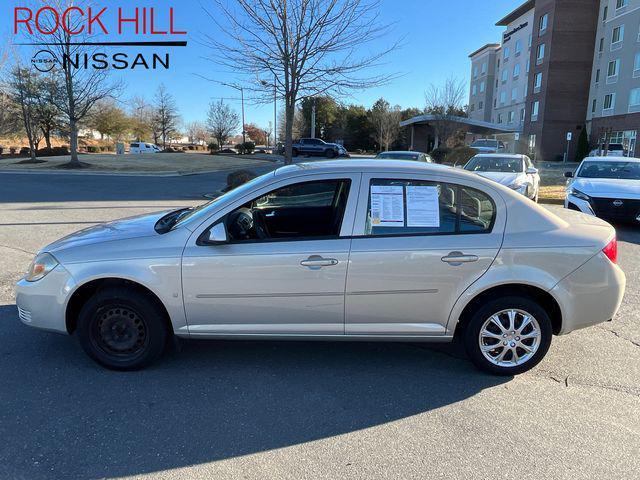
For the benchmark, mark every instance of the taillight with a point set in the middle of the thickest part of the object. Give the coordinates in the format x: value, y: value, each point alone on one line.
x: 611, y: 250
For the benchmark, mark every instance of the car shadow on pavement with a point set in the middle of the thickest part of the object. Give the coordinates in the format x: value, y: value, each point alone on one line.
x: 628, y: 233
x: 63, y: 416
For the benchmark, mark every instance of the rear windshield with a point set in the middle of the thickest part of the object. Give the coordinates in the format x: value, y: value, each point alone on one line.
x: 494, y: 164
x: 398, y: 156
x: 485, y: 143
x: 620, y: 170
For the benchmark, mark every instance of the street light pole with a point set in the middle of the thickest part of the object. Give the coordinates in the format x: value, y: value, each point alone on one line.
x: 275, y: 113
x: 244, y: 138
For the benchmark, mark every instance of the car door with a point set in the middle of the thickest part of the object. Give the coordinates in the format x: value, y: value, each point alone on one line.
x: 419, y: 242
x: 290, y: 283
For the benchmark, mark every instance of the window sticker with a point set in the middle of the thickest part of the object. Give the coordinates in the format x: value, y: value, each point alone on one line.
x: 387, y: 206
x: 423, y: 208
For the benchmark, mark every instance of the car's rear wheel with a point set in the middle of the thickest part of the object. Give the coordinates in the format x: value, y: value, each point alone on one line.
x: 122, y: 329
x: 508, y: 336
x: 329, y: 153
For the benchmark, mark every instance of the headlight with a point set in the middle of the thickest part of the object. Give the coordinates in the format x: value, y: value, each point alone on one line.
x: 40, y: 267
x: 578, y: 194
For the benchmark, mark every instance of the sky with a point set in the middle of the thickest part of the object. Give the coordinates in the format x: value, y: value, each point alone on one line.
x: 438, y: 36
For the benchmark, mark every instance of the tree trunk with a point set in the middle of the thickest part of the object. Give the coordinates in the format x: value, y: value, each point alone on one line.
x: 47, y: 136
x: 288, y: 131
x: 73, y: 144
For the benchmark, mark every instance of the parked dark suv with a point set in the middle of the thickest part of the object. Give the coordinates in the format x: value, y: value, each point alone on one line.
x: 315, y: 146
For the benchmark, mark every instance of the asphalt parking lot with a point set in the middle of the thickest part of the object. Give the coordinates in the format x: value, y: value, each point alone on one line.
x: 296, y: 410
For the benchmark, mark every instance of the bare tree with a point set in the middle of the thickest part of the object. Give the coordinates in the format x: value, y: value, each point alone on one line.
x: 80, y: 88
x: 445, y: 102
x: 197, y: 132
x: 141, y: 119
x: 222, y: 121
x: 49, y: 115
x: 24, y: 86
x: 386, y: 123
x: 300, y: 48
x: 165, y: 117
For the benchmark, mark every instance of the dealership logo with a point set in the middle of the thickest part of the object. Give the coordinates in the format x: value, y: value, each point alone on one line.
x: 44, y: 61
x: 618, y: 203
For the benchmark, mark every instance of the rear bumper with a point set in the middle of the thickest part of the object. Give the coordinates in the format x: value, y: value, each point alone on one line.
x: 590, y: 295
x: 42, y: 304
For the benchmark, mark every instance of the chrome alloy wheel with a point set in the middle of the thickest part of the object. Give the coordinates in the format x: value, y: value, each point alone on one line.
x: 510, y: 337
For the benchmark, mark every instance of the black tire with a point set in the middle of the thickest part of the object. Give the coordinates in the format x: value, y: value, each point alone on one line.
x: 329, y: 153
x: 122, y: 329
x: 471, y: 334
x: 294, y: 152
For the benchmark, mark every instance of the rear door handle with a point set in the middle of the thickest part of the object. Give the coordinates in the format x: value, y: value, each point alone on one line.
x: 316, y: 261
x: 458, y: 258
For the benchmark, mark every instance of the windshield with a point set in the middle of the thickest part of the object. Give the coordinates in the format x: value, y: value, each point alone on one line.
x: 205, y: 208
x: 620, y: 170
x: 398, y: 156
x: 485, y: 143
x: 494, y: 164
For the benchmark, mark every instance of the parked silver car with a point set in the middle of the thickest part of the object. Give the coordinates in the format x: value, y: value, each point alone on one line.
x: 348, y: 250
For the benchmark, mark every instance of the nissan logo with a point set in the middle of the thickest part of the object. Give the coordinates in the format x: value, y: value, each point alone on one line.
x: 617, y: 203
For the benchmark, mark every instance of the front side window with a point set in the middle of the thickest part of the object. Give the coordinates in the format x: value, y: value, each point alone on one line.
x: 305, y: 210
x: 420, y: 207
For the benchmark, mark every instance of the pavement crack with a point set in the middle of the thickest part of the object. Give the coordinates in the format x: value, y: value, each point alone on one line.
x: 17, y: 249
x: 617, y: 334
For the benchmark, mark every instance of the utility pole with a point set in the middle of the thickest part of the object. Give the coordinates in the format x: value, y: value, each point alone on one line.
x: 275, y: 112
x: 313, y: 118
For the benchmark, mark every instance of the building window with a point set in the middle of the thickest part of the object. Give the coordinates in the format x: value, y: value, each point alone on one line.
x: 518, y: 47
x: 634, y: 100
x: 526, y: 90
x: 594, y: 105
x: 505, y: 75
x: 499, y: 118
x: 528, y: 64
x: 537, y: 82
x: 503, y: 97
x: 609, y: 103
x: 617, y: 37
x: 621, y: 4
x: 474, y: 89
x: 482, y: 86
x: 636, y: 66
x: 512, y: 116
x: 532, y: 144
x: 597, y: 75
x: 480, y: 105
x: 612, y: 71
x: 522, y: 114
x: 543, y: 23
x: 540, y: 54
x: 514, y: 94
x: 605, y: 13
x: 472, y: 107
x: 475, y: 71
x: 495, y: 102
x: 483, y: 69
x: 506, y: 53
x: 601, y: 45
x: 535, y: 107
x: 516, y: 70
x: 530, y: 40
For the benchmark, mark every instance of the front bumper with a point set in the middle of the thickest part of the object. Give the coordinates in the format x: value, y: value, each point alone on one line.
x: 42, y: 304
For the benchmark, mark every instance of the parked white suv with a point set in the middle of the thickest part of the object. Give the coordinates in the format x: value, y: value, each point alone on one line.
x: 142, y: 147
x: 432, y: 253
x: 514, y: 171
x: 488, y: 145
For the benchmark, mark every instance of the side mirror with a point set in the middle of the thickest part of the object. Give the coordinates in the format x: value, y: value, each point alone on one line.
x: 217, y: 235
x: 532, y: 171
x: 568, y: 174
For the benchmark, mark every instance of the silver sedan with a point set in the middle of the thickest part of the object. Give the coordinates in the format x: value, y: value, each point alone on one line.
x: 337, y: 250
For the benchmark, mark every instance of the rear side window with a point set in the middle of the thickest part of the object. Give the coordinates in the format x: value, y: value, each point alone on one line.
x: 135, y: 145
x: 418, y: 207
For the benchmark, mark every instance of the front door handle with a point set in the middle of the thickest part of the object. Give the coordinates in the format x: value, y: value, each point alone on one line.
x: 458, y: 258
x: 316, y: 261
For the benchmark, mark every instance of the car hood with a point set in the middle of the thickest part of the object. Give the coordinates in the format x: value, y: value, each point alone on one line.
x: 608, y: 187
x: 139, y: 226
x: 503, y: 178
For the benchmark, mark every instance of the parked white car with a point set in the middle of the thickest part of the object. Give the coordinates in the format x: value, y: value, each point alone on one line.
x: 142, y: 147
x: 607, y: 187
x: 405, y: 155
x: 488, y: 145
x: 514, y: 171
x: 615, y: 150
x: 433, y: 253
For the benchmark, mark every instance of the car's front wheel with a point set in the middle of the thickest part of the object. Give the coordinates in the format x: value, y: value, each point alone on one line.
x: 508, y: 336
x: 122, y: 329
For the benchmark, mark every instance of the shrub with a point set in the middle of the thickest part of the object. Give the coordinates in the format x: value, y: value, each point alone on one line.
x: 1, y: 150
x: 191, y: 147
x: 92, y: 149
x: 237, y: 178
x: 460, y: 155
x: 52, y: 152
x: 172, y: 150
x: 582, y: 149
x: 13, y: 150
x: 246, y: 147
x: 25, y: 151
x: 439, y: 154
x: 213, y: 147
